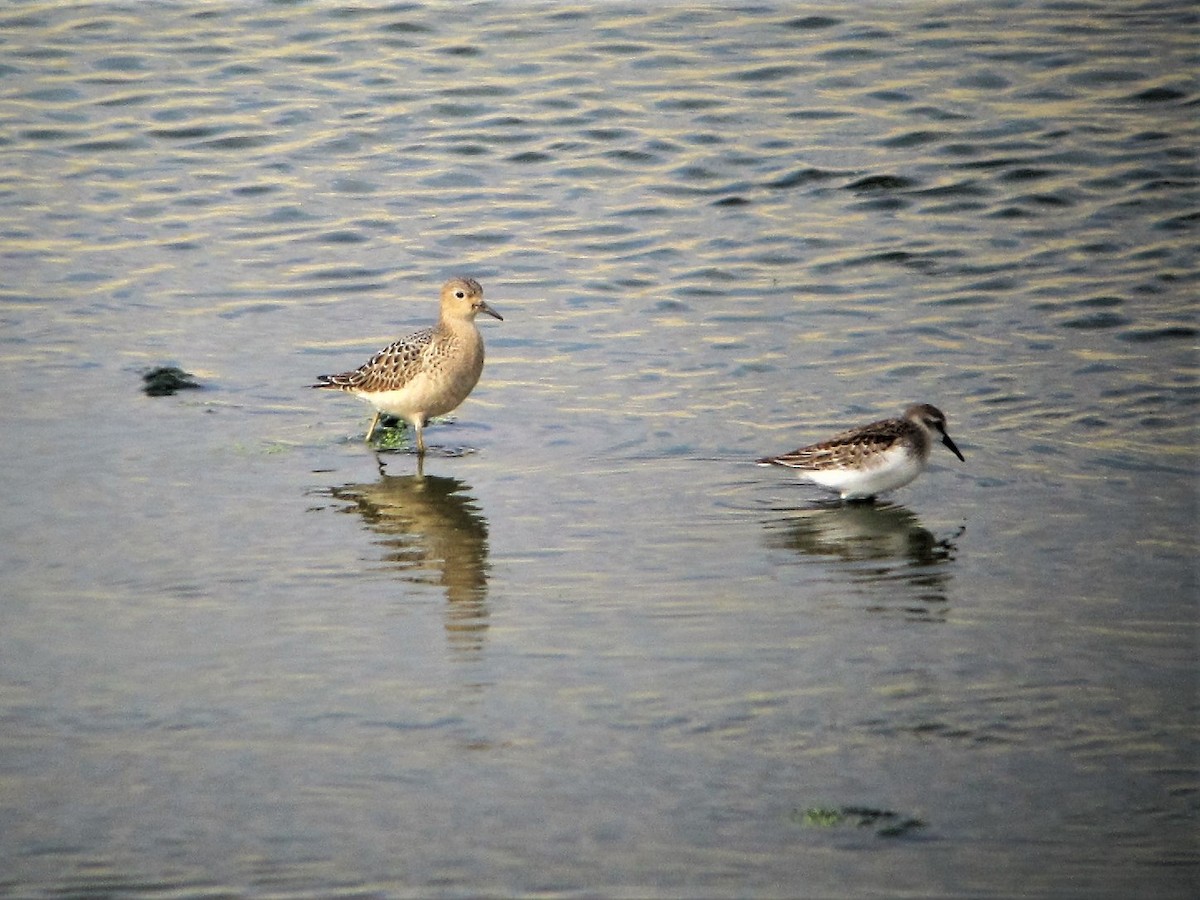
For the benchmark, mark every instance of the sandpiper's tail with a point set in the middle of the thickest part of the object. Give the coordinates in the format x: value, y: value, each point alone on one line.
x: 334, y: 382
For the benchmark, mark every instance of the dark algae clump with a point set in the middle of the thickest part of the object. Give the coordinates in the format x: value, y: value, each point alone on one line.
x: 163, y: 381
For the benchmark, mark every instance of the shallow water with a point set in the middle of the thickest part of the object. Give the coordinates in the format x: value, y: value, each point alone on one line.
x: 591, y: 648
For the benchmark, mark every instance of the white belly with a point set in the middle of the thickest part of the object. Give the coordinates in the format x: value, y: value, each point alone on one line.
x: 894, y: 469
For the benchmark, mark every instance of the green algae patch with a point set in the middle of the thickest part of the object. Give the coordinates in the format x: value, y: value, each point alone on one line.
x: 885, y: 822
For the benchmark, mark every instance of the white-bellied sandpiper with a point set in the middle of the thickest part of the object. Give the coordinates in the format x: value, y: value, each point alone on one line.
x: 866, y: 461
x: 428, y: 373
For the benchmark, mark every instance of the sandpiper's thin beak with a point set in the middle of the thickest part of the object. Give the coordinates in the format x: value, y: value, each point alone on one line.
x: 484, y: 308
x: 949, y: 443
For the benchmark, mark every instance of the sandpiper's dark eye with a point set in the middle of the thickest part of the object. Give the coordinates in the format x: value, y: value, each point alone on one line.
x: 459, y: 294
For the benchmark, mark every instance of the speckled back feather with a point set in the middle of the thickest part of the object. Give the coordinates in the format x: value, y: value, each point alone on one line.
x: 391, y: 368
x: 850, y: 448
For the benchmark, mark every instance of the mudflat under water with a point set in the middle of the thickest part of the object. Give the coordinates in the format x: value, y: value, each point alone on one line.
x: 589, y: 648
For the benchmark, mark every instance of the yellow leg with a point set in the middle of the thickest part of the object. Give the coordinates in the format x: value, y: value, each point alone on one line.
x: 371, y: 430
x: 418, y: 425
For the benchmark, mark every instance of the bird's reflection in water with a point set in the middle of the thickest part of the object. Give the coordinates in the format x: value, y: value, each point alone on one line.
x: 880, y: 544
x: 433, y: 532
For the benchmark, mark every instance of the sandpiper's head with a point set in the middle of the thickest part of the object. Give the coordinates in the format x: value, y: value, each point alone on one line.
x: 934, y: 420
x: 462, y: 298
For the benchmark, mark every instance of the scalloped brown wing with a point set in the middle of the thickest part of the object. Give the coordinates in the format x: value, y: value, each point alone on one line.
x: 388, y: 370
x: 849, y: 448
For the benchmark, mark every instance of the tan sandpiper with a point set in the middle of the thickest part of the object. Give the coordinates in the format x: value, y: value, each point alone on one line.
x: 430, y: 372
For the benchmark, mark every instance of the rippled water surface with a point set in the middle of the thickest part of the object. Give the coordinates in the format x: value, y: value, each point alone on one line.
x: 590, y: 648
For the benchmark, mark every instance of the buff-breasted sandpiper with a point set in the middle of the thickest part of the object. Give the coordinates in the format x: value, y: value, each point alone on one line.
x: 430, y: 372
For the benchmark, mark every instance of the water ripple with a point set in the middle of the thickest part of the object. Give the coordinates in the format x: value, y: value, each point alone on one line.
x: 708, y: 228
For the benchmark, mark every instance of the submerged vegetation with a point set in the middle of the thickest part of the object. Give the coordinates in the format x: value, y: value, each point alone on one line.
x: 885, y: 822
x: 394, y: 435
x: 391, y: 434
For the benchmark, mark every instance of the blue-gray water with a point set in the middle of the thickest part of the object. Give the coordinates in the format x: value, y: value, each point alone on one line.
x: 603, y: 653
